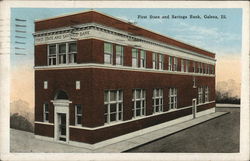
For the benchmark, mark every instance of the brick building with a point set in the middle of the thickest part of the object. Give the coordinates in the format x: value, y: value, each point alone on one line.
x: 98, y: 78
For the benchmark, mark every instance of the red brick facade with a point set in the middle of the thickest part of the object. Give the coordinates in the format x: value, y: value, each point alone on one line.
x: 95, y: 80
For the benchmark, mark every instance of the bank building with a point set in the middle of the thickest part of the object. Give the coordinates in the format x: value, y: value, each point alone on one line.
x: 100, y: 80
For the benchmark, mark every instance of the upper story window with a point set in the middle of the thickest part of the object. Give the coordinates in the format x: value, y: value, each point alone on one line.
x: 108, y: 53
x: 63, y: 53
x: 72, y: 53
x: 199, y: 68
x: 208, y: 69
x: 182, y: 65
x: 143, y: 59
x: 175, y: 64
x: 139, y: 102
x: 161, y: 61
x: 194, y: 67
x: 135, y: 58
x: 202, y: 68
x: 187, y: 65
x: 113, y: 105
x: 170, y: 63
x: 155, y: 61
x: 119, y: 55
x: 52, y: 55
x: 172, y: 98
x: 158, y: 100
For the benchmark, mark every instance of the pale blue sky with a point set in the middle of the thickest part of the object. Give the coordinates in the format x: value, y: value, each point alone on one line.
x: 222, y: 36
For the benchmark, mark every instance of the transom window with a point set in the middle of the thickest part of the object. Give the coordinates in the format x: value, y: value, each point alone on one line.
x: 172, y: 98
x: 46, y: 112
x: 78, y: 114
x: 135, y: 58
x: 63, y: 53
x: 108, y: 53
x: 143, y: 59
x: 158, y: 100
x: 139, y: 102
x: 113, y: 105
x: 119, y: 55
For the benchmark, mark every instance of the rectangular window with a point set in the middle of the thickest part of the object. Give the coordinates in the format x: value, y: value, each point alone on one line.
x: 161, y: 61
x: 113, y: 105
x: 199, y: 67
x: 194, y: 67
x: 158, y: 100
x: 200, y: 95
x: 63, y: 53
x: 212, y: 69
x: 155, y: 61
x: 170, y: 63
x: 108, y: 53
x: 46, y: 112
x: 119, y: 55
x: 182, y: 65
x: 78, y: 114
x: 202, y: 68
x: 143, y: 59
x: 45, y: 85
x: 72, y: 53
x: 78, y: 85
x: 187, y: 65
x: 52, y: 55
x: 135, y: 58
x: 175, y: 64
x: 206, y: 94
x: 172, y: 98
x: 208, y: 69
x: 139, y: 102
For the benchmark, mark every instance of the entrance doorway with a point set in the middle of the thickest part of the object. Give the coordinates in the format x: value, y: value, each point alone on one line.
x: 62, y: 127
x: 61, y: 115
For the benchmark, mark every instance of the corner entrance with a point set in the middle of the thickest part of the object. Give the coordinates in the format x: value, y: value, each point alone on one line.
x: 61, y: 117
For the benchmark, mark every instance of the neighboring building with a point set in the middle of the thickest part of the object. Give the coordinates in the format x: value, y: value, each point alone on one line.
x: 98, y: 77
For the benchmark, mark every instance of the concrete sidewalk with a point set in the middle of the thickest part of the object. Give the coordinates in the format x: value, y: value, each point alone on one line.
x: 20, y: 139
x: 158, y: 134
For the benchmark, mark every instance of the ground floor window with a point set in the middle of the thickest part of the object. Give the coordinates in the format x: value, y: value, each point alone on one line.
x: 113, y: 105
x: 206, y: 94
x: 139, y: 102
x: 172, y: 98
x: 200, y: 95
x: 46, y: 112
x: 78, y: 114
x: 158, y: 100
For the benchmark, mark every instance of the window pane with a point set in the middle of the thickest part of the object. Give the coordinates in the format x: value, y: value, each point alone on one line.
x: 79, y: 109
x: 112, y: 95
x: 120, y: 95
x: 138, y: 104
x: 79, y: 119
x: 62, y: 48
x: 112, y: 117
x: 52, y: 49
x: 46, y: 107
x: 157, y: 102
x: 46, y: 116
x: 105, y: 118
x: 112, y: 108
x: 120, y: 107
x: 138, y: 112
x: 72, y: 47
x: 108, y: 48
x: 138, y: 92
x: 107, y: 58
x: 120, y: 116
